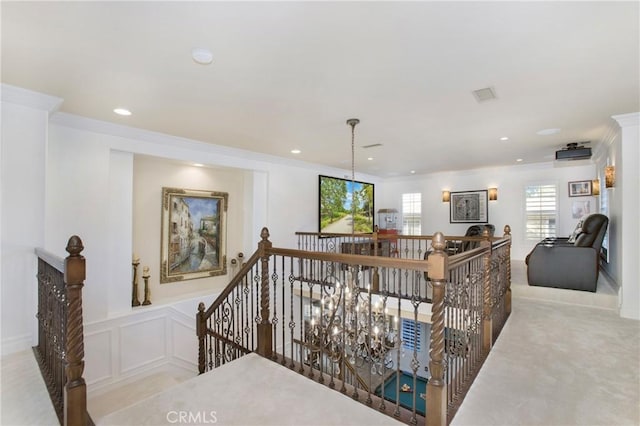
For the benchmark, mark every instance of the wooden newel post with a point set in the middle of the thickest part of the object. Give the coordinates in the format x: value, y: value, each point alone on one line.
x: 201, y: 328
x: 75, y: 392
x: 487, y: 314
x: 264, y: 328
x: 437, y: 386
x: 507, y: 295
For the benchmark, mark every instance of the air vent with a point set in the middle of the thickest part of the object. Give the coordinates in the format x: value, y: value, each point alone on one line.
x: 373, y: 145
x: 485, y: 94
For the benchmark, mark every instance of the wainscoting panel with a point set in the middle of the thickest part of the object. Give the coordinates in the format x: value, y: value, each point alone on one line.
x: 129, y: 347
x: 185, y: 342
x: 98, y: 359
x: 142, y: 343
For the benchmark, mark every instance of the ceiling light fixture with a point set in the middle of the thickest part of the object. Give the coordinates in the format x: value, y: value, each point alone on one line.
x: 548, y: 132
x: 122, y: 111
x: 519, y: 160
x: 350, y: 319
x: 504, y: 138
x: 198, y: 165
x: 202, y: 56
x: 295, y: 151
x: 370, y: 158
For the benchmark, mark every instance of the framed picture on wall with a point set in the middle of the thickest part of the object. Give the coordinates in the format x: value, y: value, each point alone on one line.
x: 580, y: 188
x: 469, y: 207
x: 194, y: 234
x: 339, y: 200
x: 580, y: 209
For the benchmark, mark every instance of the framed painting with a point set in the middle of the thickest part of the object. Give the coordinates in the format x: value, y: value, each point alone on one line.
x: 339, y: 200
x: 580, y: 188
x: 580, y: 209
x: 194, y: 234
x: 469, y: 207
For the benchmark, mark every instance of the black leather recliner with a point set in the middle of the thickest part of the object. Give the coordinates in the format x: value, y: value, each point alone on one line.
x: 455, y: 247
x: 569, y: 263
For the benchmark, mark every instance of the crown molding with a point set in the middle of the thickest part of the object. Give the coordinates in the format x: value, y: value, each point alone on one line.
x: 188, y: 149
x: 627, y: 120
x: 28, y: 98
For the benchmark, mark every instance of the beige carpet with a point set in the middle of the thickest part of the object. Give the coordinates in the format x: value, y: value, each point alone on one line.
x: 249, y: 391
x: 557, y: 364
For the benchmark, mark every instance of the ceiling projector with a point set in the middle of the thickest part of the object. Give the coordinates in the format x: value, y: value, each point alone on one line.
x: 574, y: 151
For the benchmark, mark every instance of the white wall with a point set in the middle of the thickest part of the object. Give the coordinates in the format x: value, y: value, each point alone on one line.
x: 507, y: 210
x: 24, y: 135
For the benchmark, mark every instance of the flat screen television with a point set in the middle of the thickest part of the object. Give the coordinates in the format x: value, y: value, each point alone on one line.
x: 336, y: 208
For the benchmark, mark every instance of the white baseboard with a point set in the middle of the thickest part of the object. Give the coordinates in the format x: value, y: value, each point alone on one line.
x: 15, y: 344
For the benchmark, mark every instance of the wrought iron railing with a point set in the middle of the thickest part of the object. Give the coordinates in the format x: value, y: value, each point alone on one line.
x: 60, y: 349
x: 339, y: 318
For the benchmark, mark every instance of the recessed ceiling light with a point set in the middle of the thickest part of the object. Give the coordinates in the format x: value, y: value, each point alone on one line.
x: 202, y: 56
x: 504, y: 138
x: 547, y: 132
x: 122, y: 111
x: 295, y: 151
x: 198, y: 165
x: 413, y: 172
x: 519, y: 160
x: 370, y: 158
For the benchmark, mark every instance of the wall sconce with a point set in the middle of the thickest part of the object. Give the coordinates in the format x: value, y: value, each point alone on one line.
x: 610, y: 176
x: 446, y: 196
x: 493, y: 194
x: 595, y: 187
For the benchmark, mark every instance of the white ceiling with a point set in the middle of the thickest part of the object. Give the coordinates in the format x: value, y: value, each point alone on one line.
x: 287, y: 75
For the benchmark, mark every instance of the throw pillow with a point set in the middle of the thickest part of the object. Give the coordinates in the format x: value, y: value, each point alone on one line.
x: 575, y: 235
x: 576, y: 232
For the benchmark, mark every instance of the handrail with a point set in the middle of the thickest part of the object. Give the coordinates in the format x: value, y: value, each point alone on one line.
x: 52, y: 259
x: 291, y: 305
x: 60, y: 349
x: 246, y: 267
x: 353, y: 259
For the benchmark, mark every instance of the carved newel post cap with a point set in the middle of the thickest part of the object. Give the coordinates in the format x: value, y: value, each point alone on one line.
x: 201, y: 307
x: 74, y: 246
x: 438, y: 242
x: 264, y: 234
x: 507, y: 230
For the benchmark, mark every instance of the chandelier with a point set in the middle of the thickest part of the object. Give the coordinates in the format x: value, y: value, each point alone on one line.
x: 351, y: 323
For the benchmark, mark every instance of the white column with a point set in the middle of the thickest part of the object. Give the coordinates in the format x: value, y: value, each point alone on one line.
x: 627, y: 181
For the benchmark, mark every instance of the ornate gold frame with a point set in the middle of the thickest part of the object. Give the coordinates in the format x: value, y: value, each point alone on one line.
x: 193, y: 235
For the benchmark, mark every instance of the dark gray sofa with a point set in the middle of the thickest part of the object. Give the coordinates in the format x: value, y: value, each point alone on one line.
x: 570, y: 263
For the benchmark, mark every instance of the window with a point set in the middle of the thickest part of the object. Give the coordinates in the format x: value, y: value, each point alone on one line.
x: 412, y: 214
x: 410, y: 334
x: 541, y: 211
